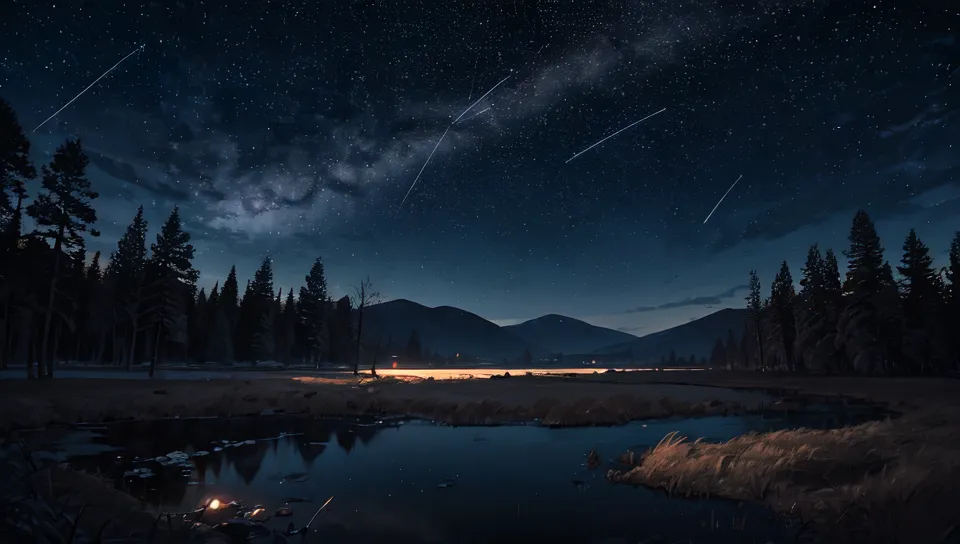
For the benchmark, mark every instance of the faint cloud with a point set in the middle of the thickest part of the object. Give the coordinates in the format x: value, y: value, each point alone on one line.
x: 693, y: 301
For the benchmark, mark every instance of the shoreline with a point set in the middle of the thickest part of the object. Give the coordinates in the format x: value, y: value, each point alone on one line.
x: 885, y: 481
x: 556, y: 400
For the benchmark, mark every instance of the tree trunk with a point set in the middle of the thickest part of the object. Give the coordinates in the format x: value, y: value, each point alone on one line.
x: 7, y: 337
x: 376, y: 353
x: 48, y: 318
x: 56, y: 349
x: 25, y: 343
x: 133, y: 342
x: 759, y: 346
x: 156, y: 348
x: 356, y: 362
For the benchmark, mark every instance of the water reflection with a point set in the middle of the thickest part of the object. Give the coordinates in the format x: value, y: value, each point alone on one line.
x: 511, y: 482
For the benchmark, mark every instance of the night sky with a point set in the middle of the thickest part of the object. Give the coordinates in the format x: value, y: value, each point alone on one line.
x: 294, y: 129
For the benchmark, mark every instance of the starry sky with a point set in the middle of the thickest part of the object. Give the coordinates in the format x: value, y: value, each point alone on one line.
x: 294, y: 129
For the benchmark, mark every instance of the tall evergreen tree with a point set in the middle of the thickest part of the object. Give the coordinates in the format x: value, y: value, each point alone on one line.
x: 782, y: 300
x: 926, y: 347
x: 247, y: 323
x: 171, y: 280
x: 127, y: 273
x: 286, y: 330
x: 15, y: 164
x: 262, y: 311
x: 755, y: 311
x: 198, y: 328
x: 860, y: 329
x: 815, y: 329
x: 312, y: 309
x: 229, y: 299
x: 953, y: 299
x: 63, y: 213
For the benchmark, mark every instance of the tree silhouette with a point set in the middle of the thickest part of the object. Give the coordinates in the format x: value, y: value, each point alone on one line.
x: 364, y: 295
x: 312, y: 311
x: 171, y: 280
x: 62, y: 212
x: 922, y: 291
x: 782, y: 302
x: 126, y: 274
x: 755, y: 310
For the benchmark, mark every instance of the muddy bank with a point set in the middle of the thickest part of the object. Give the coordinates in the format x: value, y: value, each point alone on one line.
x: 470, y: 402
x: 893, y: 481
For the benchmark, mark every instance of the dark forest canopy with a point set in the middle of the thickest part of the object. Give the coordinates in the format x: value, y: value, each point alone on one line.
x: 868, y: 321
x: 144, y: 305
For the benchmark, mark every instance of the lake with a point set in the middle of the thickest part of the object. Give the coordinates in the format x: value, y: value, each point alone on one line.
x: 417, y: 482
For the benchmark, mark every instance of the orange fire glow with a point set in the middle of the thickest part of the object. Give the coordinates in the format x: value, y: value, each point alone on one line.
x: 394, y: 364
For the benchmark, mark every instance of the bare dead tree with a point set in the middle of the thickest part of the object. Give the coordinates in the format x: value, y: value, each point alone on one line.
x: 363, y: 296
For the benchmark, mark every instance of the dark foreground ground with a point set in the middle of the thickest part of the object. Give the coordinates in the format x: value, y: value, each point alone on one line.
x: 889, y: 481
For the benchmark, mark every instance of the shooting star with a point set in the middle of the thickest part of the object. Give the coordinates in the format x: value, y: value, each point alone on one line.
x: 721, y: 200
x: 614, y: 134
x: 112, y: 68
x: 476, y: 114
x: 478, y: 100
x: 424, y: 166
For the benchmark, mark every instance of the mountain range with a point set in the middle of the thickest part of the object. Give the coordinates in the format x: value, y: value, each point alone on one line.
x: 447, y: 331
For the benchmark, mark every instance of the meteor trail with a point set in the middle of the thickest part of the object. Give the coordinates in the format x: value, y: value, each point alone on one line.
x: 88, y: 86
x: 424, y: 166
x: 614, y: 134
x: 721, y: 200
x: 478, y: 113
x: 479, y: 99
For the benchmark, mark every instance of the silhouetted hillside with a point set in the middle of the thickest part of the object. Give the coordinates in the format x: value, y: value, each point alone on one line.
x: 561, y: 334
x: 694, y: 338
x: 444, y: 329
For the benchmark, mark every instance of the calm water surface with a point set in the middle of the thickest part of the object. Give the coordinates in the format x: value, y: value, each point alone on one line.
x: 418, y: 482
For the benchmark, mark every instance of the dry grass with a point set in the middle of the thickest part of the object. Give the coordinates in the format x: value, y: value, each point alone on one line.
x: 469, y: 402
x: 896, y: 481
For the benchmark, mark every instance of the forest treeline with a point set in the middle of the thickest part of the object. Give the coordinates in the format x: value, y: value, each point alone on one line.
x: 143, y: 304
x: 870, y: 321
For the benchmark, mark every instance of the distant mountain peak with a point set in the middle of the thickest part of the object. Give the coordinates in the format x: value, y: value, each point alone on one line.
x: 564, y: 334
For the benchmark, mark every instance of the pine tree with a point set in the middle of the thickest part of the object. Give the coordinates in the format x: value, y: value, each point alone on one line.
x: 262, y: 311
x: 755, y: 311
x: 171, y: 279
x: 861, y: 324
x: 15, y: 164
x: 782, y: 300
x: 247, y: 323
x: 286, y: 330
x: 952, y: 288
x: 62, y: 212
x: 126, y: 272
x: 199, y: 328
x: 815, y: 324
x: 229, y: 299
x: 312, y: 309
x: 922, y: 294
